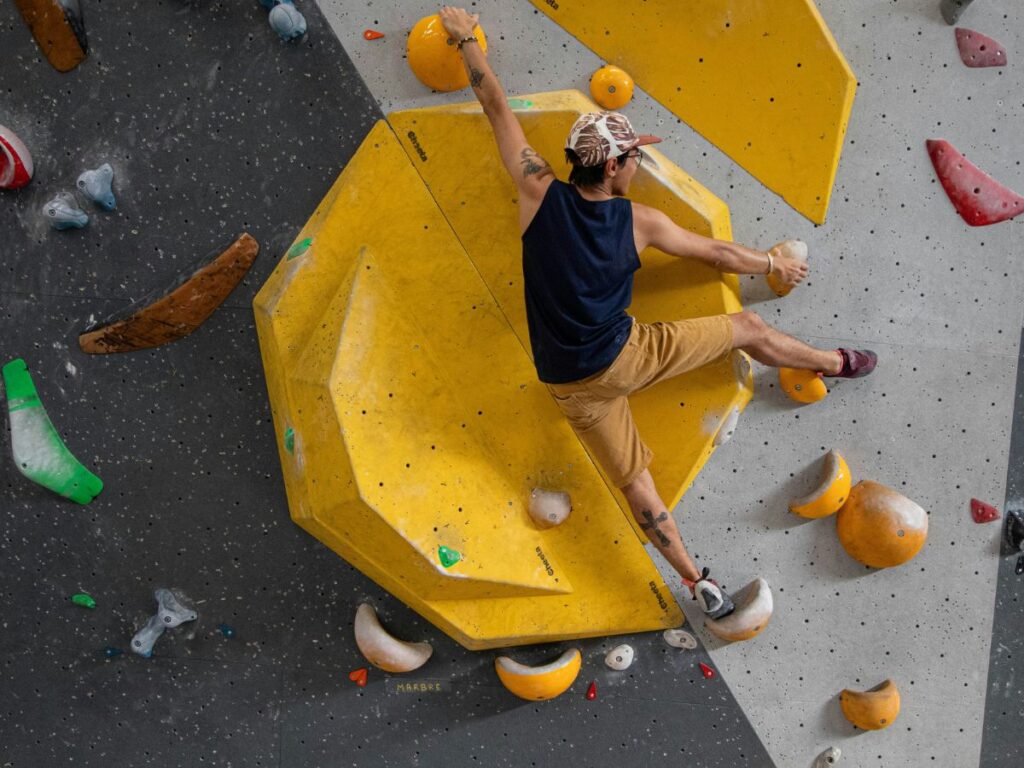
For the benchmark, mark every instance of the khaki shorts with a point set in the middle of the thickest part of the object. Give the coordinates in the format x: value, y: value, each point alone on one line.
x: 597, y: 408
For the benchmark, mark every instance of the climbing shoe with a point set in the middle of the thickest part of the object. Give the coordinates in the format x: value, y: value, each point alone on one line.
x: 712, y: 599
x: 856, y: 363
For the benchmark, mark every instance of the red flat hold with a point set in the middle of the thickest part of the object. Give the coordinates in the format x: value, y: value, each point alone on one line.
x: 982, y: 512
x: 978, y: 50
x: 372, y: 34
x: 592, y: 692
x: 708, y: 671
x: 977, y: 197
x: 358, y: 676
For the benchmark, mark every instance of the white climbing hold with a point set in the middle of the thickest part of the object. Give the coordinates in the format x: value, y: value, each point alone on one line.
x: 679, y: 638
x: 620, y: 657
x: 549, y: 508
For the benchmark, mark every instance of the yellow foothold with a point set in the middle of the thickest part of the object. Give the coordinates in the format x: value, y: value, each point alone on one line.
x: 881, y: 527
x: 874, y: 709
x: 434, y: 57
x: 831, y: 493
x: 611, y: 87
x: 793, y: 249
x: 802, y: 385
x: 754, y: 608
x: 539, y: 683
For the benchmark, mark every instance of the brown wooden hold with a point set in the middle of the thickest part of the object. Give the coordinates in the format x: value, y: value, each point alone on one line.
x: 178, y: 312
x: 58, y: 29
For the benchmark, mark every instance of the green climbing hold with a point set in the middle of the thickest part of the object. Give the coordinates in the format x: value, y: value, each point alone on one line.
x: 289, y: 440
x: 83, y: 600
x: 520, y: 104
x: 38, y: 449
x: 448, y: 557
x: 299, y: 248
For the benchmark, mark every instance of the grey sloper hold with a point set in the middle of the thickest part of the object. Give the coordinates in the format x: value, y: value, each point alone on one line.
x: 97, y: 186
x: 951, y: 9
x: 62, y: 212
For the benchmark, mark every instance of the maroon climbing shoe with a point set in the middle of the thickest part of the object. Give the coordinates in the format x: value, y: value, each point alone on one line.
x: 856, y: 363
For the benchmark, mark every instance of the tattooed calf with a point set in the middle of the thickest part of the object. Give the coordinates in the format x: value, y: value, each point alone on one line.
x: 652, y: 524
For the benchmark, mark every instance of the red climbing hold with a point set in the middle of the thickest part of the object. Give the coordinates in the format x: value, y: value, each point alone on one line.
x: 982, y: 512
x: 978, y: 50
x: 15, y: 161
x: 977, y: 197
x: 358, y: 676
x: 372, y: 34
x: 592, y: 692
x: 708, y: 671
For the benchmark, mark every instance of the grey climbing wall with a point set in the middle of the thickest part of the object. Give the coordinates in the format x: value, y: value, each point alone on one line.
x: 213, y: 127
x: 1002, y: 744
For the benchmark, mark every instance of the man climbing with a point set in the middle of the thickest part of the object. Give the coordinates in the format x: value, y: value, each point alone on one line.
x: 581, y: 246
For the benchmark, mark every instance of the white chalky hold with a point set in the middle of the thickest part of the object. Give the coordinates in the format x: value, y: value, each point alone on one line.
x: 384, y: 651
x: 828, y: 758
x: 728, y: 427
x: 549, y: 508
x: 620, y: 657
x: 679, y: 638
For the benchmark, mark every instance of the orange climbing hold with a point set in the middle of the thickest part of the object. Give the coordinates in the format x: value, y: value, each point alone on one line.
x: 372, y: 34
x: 611, y: 87
x: 358, y: 676
x: 435, y: 58
x: 802, y: 385
x: 881, y: 527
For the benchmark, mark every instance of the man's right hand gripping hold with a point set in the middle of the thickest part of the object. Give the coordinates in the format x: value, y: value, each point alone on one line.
x: 581, y: 246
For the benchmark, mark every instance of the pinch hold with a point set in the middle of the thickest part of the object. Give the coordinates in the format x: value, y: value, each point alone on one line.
x: 62, y: 212
x: 97, y: 186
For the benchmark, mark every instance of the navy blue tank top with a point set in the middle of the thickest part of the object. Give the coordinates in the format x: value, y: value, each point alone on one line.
x: 579, y: 257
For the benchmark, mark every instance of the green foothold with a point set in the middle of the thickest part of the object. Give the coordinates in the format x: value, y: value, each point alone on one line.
x: 39, y: 452
x: 520, y: 104
x: 289, y: 440
x: 299, y: 248
x: 449, y: 557
x: 83, y: 600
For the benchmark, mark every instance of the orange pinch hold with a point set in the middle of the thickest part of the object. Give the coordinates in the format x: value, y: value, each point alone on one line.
x: 358, y: 676
x: 592, y: 692
x: 372, y: 34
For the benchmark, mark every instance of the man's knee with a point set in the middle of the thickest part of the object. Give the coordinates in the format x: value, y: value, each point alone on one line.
x: 748, y: 328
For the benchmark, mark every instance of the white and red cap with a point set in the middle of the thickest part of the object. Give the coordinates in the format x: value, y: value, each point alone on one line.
x: 15, y: 160
x: 597, y: 137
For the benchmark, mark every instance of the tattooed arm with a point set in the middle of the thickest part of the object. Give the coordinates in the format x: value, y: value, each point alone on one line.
x: 530, y: 172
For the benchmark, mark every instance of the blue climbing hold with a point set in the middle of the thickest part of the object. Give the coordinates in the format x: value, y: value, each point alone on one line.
x: 286, y: 20
x: 62, y: 212
x: 97, y: 186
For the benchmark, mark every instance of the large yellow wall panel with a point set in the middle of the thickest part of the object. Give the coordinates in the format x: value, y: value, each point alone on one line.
x: 408, y: 412
x: 454, y: 150
x: 763, y: 81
